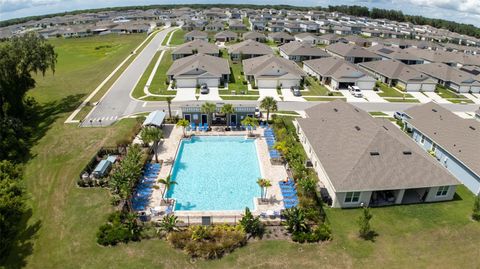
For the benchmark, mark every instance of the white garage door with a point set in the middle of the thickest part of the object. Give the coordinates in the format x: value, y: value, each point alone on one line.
x: 475, y: 89
x: 186, y: 83
x: 365, y: 85
x: 211, y: 82
x: 428, y: 87
x: 287, y: 84
x: 267, y: 83
x: 413, y: 87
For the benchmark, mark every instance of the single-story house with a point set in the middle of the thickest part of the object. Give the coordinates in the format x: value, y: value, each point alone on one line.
x: 194, y: 47
x: 307, y: 38
x: 400, y: 75
x: 194, y: 114
x: 357, y: 40
x: 197, y: 69
x: 280, y: 37
x: 393, y: 53
x: 195, y: 34
x: 450, y: 77
x: 259, y: 37
x: 248, y: 49
x: 329, y: 39
x: 453, y: 141
x: 338, y: 74
x: 477, y: 114
x: 270, y: 71
x: 352, y: 53
x: 225, y: 36
x: 215, y: 26
x: 300, y: 51
x: 365, y: 161
x: 237, y: 26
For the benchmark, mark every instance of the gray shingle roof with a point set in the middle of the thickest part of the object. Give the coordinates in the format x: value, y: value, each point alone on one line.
x: 297, y: 48
x: 201, y: 64
x: 449, y: 131
x: 201, y: 46
x: 447, y: 73
x: 362, y: 153
x: 250, y: 47
x: 335, y: 68
x: 272, y: 66
x: 397, y: 70
x: 349, y: 50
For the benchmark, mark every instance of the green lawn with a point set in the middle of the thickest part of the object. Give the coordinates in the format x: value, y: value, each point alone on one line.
x: 323, y: 99
x: 240, y: 97
x: 236, y: 77
x: 447, y: 93
x: 401, y: 100
x: 377, y: 113
x: 460, y: 101
x: 60, y: 232
x: 178, y: 38
x: 138, y: 91
x: 387, y: 91
x: 317, y: 89
x: 164, y: 42
x: 288, y: 112
x: 159, y: 85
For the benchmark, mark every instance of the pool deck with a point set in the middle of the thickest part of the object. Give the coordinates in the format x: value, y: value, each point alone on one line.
x: 275, y: 173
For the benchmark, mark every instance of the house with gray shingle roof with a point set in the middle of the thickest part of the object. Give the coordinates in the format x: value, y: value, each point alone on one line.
x: 397, y: 74
x: 452, y: 141
x: 307, y: 38
x: 280, y: 37
x: 366, y: 161
x: 194, y: 47
x: 338, y: 74
x: 352, y: 53
x: 402, y: 55
x: 300, y: 51
x: 248, y: 49
x: 450, y: 77
x: 194, y: 70
x: 225, y: 36
x: 270, y: 71
x: 195, y: 34
x: 259, y: 37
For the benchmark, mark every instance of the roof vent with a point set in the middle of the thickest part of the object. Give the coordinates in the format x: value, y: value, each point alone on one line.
x: 471, y: 127
x: 407, y: 153
x: 384, y: 127
x: 335, y: 109
x: 357, y: 127
x: 434, y: 110
x: 356, y: 109
x: 374, y: 153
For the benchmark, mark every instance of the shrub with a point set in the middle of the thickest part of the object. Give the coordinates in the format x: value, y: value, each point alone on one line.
x: 208, y: 242
x: 365, y: 229
x: 252, y: 225
x: 323, y: 232
x: 476, y: 209
x: 120, y: 228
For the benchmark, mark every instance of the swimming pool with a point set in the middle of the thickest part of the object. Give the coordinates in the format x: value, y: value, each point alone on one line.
x: 215, y: 173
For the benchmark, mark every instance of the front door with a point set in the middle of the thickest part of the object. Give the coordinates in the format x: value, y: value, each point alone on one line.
x: 204, y: 119
x: 187, y: 117
x: 233, y: 119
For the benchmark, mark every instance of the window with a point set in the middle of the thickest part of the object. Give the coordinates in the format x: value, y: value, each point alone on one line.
x: 422, y: 140
x: 352, y: 197
x: 442, y: 191
x: 434, y: 147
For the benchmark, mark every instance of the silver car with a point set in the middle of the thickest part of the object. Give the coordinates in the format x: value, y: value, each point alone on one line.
x: 204, y: 89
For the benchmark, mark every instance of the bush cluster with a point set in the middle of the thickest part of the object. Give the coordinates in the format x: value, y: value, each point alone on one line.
x: 120, y: 228
x: 321, y: 233
x: 208, y: 242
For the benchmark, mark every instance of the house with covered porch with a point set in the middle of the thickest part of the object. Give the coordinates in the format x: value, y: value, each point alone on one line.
x: 366, y: 161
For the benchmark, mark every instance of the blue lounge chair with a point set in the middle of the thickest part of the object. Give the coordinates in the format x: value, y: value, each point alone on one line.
x: 205, y: 127
x: 261, y: 124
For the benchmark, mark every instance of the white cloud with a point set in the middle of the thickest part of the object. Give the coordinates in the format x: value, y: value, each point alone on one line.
x: 12, y: 5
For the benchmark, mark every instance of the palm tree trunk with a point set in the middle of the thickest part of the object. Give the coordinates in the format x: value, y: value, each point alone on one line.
x: 169, y: 111
x: 155, y: 148
x: 268, y: 114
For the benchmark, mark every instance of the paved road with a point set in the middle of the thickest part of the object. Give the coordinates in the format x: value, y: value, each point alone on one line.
x: 117, y: 102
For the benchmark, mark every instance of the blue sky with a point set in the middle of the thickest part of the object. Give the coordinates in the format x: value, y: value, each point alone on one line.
x: 466, y: 11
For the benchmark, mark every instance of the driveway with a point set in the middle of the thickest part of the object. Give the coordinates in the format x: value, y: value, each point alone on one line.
x: 185, y: 94
x: 269, y: 92
x: 436, y: 98
x: 373, y: 96
x: 473, y: 98
x: 420, y: 97
x: 351, y: 98
x: 212, y: 95
x: 289, y: 97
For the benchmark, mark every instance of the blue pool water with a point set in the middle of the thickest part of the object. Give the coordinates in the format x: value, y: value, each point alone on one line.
x: 215, y: 173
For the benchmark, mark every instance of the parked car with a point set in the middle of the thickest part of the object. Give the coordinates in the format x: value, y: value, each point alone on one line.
x: 204, y: 89
x: 258, y: 113
x: 296, y: 91
x: 355, y: 91
x: 398, y: 115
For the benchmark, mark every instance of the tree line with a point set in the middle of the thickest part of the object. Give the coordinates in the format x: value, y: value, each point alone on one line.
x: 20, y: 57
x: 374, y: 13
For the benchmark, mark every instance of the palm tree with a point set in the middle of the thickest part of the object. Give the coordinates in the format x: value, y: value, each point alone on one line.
x: 152, y: 134
x: 167, y: 182
x: 269, y: 104
x: 169, y: 223
x: 249, y: 121
x: 169, y: 102
x: 264, y: 184
x: 183, y: 123
x: 209, y: 109
x: 228, y: 109
x: 295, y: 220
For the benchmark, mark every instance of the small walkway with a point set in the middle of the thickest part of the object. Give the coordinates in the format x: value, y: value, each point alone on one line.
x: 372, y: 96
x: 472, y: 98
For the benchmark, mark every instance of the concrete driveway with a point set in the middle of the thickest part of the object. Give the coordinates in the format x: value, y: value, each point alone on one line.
x: 289, y: 97
x: 212, y: 95
x: 473, y: 98
x: 420, y: 97
x: 351, y: 98
x: 436, y: 98
x: 372, y: 96
x: 269, y: 92
x: 185, y: 94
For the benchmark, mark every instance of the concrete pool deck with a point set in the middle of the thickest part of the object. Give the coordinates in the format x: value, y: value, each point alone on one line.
x: 167, y: 153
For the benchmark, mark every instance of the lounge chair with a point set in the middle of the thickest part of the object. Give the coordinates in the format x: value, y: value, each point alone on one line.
x: 205, y: 127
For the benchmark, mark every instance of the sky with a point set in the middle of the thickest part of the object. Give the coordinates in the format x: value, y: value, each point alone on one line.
x: 465, y: 11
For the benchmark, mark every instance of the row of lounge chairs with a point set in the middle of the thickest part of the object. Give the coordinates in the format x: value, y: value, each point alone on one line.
x: 200, y: 127
x: 289, y: 193
x: 143, y: 190
x: 270, y: 138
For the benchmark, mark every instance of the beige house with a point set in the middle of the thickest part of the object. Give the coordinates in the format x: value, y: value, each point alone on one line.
x: 248, y: 49
x: 366, y: 161
x: 194, y: 47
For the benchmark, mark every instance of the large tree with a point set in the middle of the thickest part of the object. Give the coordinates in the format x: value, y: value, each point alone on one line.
x: 269, y: 104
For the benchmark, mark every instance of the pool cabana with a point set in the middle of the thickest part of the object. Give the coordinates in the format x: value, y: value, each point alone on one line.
x: 155, y: 119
